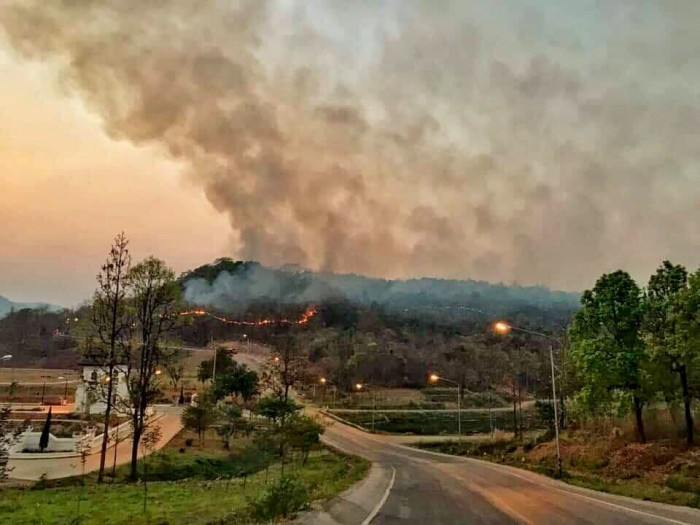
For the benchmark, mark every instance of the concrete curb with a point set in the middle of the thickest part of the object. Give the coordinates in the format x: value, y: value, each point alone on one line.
x: 343, y: 421
x: 356, y: 505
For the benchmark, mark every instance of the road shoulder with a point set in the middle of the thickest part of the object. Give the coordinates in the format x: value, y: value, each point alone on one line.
x: 356, y: 505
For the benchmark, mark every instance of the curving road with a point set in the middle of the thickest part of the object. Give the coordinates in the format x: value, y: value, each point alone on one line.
x: 412, y: 486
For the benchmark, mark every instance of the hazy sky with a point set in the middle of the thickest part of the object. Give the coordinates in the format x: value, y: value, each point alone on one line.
x: 490, y: 140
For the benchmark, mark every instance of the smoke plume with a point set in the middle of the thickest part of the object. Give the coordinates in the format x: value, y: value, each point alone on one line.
x: 406, y: 138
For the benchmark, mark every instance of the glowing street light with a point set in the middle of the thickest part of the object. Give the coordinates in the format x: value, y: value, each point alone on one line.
x: 158, y: 372
x: 325, y: 382
x: 359, y: 387
x: 503, y: 328
x: 434, y: 378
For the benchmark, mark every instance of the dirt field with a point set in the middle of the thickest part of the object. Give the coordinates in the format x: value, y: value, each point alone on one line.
x: 30, y: 385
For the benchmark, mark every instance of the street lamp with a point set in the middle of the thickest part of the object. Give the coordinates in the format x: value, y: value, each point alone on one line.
x: 65, y: 390
x: 325, y: 382
x: 434, y: 378
x: 43, y: 388
x: 359, y: 387
x: 504, y: 328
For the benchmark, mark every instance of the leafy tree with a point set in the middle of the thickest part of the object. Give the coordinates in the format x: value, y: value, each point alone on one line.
x: 607, y: 348
x: 175, y: 368
x: 45, y: 432
x: 224, y: 362
x: 276, y: 408
x: 156, y: 300
x: 199, y: 417
x: 303, y: 433
x: 111, y: 321
x: 236, y: 380
x: 668, y: 342
x: 232, y: 422
x: 8, y: 437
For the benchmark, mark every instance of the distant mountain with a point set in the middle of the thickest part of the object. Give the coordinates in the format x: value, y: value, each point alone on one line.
x: 226, y: 283
x: 6, y: 306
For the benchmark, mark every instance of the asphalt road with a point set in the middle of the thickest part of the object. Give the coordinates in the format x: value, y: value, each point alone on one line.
x: 412, y: 486
x: 431, y: 488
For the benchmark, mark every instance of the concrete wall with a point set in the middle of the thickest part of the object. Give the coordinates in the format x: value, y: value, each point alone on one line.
x: 29, y: 442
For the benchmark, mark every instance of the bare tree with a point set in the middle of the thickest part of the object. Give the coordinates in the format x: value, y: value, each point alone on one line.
x: 111, y: 322
x: 156, y: 304
x: 175, y: 368
x: 8, y: 437
x: 291, y: 366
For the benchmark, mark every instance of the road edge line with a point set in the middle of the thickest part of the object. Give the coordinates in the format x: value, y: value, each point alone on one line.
x: 381, y: 503
x: 555, y: 484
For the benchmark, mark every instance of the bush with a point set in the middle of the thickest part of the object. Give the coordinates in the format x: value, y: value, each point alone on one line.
x: 189, y: 442
x: 283, y: 499
x: 684, y: 484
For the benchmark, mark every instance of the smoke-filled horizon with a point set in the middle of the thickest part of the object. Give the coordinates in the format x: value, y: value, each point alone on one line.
x: 407, y: 138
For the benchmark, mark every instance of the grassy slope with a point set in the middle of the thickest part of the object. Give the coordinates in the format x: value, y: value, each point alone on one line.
x: 199, y: 499
x: 663, y: 471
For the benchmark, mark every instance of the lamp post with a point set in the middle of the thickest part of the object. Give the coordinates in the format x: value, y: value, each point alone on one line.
x: 65, y: 390
x: 434, y: 378
x: 359, y: 387
x: 325, y: 382
x: 43, y: 388
x: 502, y: 327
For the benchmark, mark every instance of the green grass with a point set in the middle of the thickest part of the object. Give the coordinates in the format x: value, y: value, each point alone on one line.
x: 434, y: 423
x: 186, y: 501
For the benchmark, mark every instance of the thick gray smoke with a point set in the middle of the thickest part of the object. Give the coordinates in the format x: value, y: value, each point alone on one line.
x: 407, y: 138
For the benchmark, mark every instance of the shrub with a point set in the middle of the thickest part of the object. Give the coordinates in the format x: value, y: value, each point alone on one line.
x: 283, y: 499
x: 683, y: 483
x: 189, y: 442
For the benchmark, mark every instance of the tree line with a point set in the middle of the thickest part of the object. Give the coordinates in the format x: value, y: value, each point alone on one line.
x: 632, y: 347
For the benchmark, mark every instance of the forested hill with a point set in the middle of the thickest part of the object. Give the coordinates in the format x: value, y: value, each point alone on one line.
x: 6, y: 306
x: 226, y: 283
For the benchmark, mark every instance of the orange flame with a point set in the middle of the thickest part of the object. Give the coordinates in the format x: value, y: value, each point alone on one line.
x: 305, y: 318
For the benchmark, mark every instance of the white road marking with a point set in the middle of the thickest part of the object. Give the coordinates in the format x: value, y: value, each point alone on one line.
x: 381, y: 503
x: 546, y: 485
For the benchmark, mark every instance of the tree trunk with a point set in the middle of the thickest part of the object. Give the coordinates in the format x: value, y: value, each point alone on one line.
x: 638, y: 406
x: 515, y: 414
x: 108, y: 412
x: 686, y: 402
x: 133, y: 475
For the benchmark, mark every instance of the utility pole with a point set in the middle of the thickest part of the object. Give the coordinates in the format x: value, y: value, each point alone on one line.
x: 43, y: 389
x: 556, y: 415
x: 434, y: 378
x: 502, y: 327
x: 213, y: 374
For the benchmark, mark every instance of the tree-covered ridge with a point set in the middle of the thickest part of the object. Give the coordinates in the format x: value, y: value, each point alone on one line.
x: 7, y: 306
x: 225, y: 282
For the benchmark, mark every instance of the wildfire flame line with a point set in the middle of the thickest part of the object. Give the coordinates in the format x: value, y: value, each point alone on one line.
x: 305, y: 318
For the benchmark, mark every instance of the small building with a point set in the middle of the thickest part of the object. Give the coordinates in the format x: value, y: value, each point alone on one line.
x: 91, y: 392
